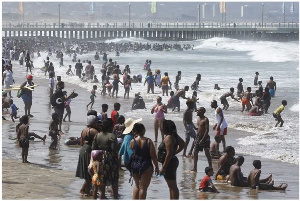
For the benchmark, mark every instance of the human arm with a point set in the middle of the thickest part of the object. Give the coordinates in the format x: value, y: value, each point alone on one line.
x: 181, y: 145
x: 169, y: 153
x: 222, y: 162
x: 213, y: 186
x: 153, y: 156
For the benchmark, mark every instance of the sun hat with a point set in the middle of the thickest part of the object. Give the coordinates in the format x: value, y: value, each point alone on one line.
x: 91, y: 119
x: 129, y: 123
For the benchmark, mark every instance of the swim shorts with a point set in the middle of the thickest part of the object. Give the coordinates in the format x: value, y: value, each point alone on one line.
x: 171, y: 169
x: 245, y: 101
x: 222, y: 131
x: 165, y: 87
x: 191, y: 132
x: 224, y: 100
x: 272, y: 92
x: 206, y: 145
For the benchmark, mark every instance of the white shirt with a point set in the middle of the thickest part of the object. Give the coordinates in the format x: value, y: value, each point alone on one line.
x: 218, y: 118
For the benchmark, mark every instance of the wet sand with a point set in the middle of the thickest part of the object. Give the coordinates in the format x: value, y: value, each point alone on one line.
x: 61, y: 164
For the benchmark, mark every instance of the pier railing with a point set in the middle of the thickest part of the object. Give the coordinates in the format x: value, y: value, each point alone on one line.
x: 153, y: 25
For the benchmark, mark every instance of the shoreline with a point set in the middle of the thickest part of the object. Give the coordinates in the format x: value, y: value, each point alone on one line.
x: 187, y: 181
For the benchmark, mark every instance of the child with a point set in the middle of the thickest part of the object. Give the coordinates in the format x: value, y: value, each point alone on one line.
x: 95, y: 80
x: 14, y: 109
x: 115, y: 114
x: 51, y: 83
x: 277, y: 113
x: 247, y: 100
x: 214, y: 148
x: 83, y: 79
x: 263, y: 184
x: 92, y: 97
x: 67, y: 106
x: 119, y: 128
x: 97, y: 171
x: 206, y: 184
x: 127, y: 86
x: 103, y: 113
x: 109, y: 86
x: 194, y: 98
x: 69, y: 71
x: 53, y: 131
x: 23, y: 136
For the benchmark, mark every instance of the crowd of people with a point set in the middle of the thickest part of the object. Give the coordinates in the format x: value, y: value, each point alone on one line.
x: 110, y: 141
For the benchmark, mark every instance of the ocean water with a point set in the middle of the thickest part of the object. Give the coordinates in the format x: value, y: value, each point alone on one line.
x: 220, y: 61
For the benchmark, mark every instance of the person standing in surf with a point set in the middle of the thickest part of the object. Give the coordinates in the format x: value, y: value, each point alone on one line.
x: 272, y: 86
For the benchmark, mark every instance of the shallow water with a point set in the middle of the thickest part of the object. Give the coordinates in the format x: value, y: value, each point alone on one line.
x: 272, y: 144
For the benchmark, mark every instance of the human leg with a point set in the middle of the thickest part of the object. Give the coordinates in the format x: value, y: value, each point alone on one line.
x: 208, y: 156
x: 223, y: 142
x: 195, y: 159
x: 174, y: 192
x: 136, y: 189
x: 95, y: 191
x: 144, y: 183
x: 155, y: 129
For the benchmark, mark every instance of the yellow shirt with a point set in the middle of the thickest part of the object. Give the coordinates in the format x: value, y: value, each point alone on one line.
x: 279, y: 110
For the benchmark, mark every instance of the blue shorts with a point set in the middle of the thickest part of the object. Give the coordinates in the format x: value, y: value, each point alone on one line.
x: 272, y: 92
x: 191, y: 132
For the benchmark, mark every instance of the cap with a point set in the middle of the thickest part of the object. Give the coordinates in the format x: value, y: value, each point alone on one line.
x: 29, y: 77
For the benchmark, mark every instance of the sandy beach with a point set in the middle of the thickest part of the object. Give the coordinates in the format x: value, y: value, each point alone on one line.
x: 52, y: 173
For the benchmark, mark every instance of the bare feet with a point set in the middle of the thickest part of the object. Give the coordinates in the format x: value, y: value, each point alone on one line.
x: 283, y: 186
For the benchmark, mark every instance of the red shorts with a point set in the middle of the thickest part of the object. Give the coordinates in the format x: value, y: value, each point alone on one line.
x: 222, y: 131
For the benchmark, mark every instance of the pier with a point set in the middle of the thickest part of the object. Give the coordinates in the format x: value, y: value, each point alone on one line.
x: 153, y: 31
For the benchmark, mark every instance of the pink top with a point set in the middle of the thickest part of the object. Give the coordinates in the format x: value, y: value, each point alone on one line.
x: 159, y: 114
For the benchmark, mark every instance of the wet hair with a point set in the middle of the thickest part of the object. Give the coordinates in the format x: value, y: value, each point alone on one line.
x: 257, y: 164
x: 25, y: 119
x: 117, y: 106
x: 208, y: 169
x: 218, y: 138
x: 104, y: 106
x: 229, y: 149
x: 169, y: 127
x: 121, y: 119
x: 271, y: 78
x: 92, y: 112
x: 166, y: 73
x: 172, y: 93
x: 256, y: 73
x: 232, y: 89
x: 284, y: 102
x: 240, y: 160
x: 186, y: 88
x: 179, y: 72
x: 107, y: 125
x: 94, y: 86
x: 138, y: 128
x: 241, y: 79
x: 249, y: 89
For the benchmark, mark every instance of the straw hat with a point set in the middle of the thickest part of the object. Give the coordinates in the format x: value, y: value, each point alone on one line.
x: 129, y: 123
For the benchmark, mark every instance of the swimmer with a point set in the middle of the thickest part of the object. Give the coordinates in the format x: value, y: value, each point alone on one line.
x: 246, y: 99
x: 236, y: 177
x: 224, y: 100
x: 272, y: 86
x: 262, y: 184
x: 206, y: 184
x: 277, y: 113
x: 214, y: 148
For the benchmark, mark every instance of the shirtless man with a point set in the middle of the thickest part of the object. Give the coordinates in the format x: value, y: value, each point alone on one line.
x: 272, y: 86
x: 202, y: 140
x: 177, y: 78
x: 224, y: 100
x: 179, y: 93
x: 164, y: 84
x: 189, y: 126
x: 225, y: 162
x: 263, y: 184
x: 246, y: 99
x: 235, y: 174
